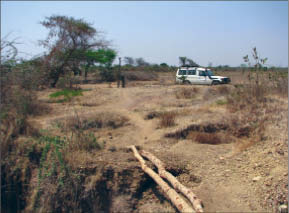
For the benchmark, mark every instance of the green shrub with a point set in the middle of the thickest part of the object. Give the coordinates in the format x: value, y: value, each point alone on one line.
x: 67, y: 94
x: 221, y: 102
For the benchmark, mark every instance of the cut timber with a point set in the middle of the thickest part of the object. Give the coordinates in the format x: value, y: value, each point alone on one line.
x: 174, y: 197
x: 197, y: 203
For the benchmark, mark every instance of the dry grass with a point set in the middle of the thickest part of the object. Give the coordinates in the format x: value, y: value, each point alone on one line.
x: 152, y: 115
x: 80, y: 129
x: 93, y: 121
x: 210, y: 93
x: 223, y: 89
x: 186, y: 93
x: 208, y: 138
x: 255, y: 106
x: 254, y: 120
x: 121, y: 204
x: 159, y: 114
x: 217, y: 91
x: 167, y: 119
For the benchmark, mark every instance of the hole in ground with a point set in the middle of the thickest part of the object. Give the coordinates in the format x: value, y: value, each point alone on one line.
x: 205, y: 134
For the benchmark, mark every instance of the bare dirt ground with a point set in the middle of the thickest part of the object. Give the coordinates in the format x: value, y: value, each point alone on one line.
x: 225, y: 177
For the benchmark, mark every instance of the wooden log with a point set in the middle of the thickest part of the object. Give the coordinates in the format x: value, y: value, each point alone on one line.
x: 174, y: 197
x: 196, y: 202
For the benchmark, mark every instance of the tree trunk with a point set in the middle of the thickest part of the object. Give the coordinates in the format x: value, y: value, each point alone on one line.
x: 197, y: 203
x: 54, y: 76
x: 174, y: 197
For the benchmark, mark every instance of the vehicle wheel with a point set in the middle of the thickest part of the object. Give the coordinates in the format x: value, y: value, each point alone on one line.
x: 215, y: 82
x: 187, y: 82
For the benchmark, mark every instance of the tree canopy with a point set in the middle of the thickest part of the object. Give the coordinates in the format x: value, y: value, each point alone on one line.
x: 70, y: 41
x: 184, y: 61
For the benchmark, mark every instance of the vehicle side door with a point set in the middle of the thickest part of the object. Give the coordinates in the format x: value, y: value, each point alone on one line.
x: 202, y: 78
x: 192, y: 77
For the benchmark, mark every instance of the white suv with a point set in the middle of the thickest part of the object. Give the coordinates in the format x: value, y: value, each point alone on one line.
x: 199, y: 75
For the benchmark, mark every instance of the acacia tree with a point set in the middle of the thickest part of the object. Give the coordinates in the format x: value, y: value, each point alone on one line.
x: 141, y: 62
x: 192, y: 63
x: 104, y: 57
x: 87, y: 58
x: 66, y: 38
x: 183, y: 61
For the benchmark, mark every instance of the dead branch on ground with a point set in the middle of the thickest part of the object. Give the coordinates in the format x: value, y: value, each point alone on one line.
x: 174, y: 197
x: 196, y: 202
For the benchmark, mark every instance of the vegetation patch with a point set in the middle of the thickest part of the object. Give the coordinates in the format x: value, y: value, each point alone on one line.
x: 186, y: 93
x: 92, y: 121
x: 208, y: 138
x: 209, y: 128
x: 67, y: 94
x: 141, y: 76
x: 206, y: 134
x: 152, y: 115
x: 167, y: 119
x: 223, y: 90
x: 221, y: 102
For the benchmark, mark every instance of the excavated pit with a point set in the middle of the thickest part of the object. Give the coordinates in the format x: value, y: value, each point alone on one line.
x: 209, y: 128
x: 112, y: 182
x: 203, y: 133
x: 122, y: 188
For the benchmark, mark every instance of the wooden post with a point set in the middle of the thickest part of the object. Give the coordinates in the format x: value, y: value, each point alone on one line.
x: 123, y: 81
x: 118, y: 74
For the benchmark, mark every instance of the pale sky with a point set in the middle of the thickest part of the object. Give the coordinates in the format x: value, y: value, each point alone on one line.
x: 221, y: 32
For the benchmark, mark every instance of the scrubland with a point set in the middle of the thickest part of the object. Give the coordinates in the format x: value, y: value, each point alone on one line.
x: 67, y: 151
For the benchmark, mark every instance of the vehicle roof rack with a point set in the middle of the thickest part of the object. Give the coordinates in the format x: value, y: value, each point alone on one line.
x: 189, y: 66
x: 186, y: 67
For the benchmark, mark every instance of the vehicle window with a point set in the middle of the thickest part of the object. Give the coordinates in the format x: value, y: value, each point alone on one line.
x: 209, y: 72
x: 202, y: 73
x: 182, y: 72
x: 192, y: 72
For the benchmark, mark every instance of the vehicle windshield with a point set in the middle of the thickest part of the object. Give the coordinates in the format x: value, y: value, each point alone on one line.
x: 209, y: 72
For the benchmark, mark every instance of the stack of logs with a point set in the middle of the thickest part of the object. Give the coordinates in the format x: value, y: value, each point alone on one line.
x: 174, y: 197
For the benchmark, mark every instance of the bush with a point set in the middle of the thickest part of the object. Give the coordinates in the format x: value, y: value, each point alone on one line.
x: 107, y: 74
x: 18, y: 83
x: 140, y: 76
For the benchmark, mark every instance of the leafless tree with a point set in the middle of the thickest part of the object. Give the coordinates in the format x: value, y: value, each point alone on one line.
x: 8, y: 49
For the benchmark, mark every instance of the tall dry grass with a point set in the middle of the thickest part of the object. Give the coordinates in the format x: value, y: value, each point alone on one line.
x: 186, y: 93
x: 257, y: 104
x: 167, y: 119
